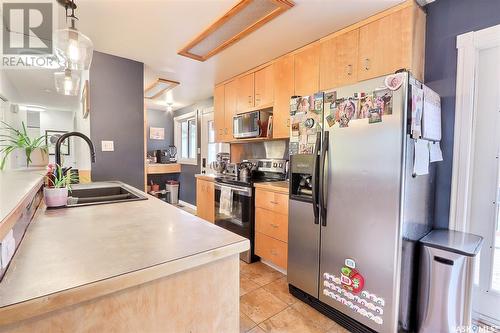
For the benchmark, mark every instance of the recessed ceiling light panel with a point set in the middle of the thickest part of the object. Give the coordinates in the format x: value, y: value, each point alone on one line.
x: 159, y: 87
x: 245, y: 17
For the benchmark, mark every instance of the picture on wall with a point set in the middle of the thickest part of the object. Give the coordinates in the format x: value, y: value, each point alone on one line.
x: 51, y: 137
x: 157, y: 133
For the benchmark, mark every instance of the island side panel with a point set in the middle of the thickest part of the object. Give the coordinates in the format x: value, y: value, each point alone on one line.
x: 202, y: 299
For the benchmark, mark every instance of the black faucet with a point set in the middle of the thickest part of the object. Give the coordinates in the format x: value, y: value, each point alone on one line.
x: 67, y: 135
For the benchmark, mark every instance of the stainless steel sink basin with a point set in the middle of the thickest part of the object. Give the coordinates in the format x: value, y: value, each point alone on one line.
x: 99, y: 193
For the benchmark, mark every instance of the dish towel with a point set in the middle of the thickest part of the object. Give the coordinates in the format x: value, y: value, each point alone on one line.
x: 226, y: 201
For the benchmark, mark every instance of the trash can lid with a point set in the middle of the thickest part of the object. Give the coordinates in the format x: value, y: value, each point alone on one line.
x: 454, y: 241
x: 172, y: 182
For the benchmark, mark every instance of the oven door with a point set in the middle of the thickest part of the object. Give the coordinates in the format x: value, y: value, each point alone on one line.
x: 240, y: 219
x: 246, y: 125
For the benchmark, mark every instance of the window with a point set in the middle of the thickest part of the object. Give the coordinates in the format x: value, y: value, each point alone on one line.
x: 186, y: 138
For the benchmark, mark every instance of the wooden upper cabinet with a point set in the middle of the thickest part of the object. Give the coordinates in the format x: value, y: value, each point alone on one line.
x: 283, y: 91
x: 264, y: 86
x: 307, y: 71
x: 339, y: 60
x: 245, y: 92
x: 385, y: 45
x: 231, y: 96
x: 219, y: 117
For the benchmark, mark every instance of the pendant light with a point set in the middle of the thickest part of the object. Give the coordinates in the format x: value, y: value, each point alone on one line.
x: 67, y: 82
x: 73, y: 49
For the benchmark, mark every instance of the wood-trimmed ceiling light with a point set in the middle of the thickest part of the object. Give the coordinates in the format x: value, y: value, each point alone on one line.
x: 245, y: 17
x: 160, y: 86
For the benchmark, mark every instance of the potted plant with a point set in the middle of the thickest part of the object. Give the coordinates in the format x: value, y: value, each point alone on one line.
x: 35, y: 150
x: 57, y: 186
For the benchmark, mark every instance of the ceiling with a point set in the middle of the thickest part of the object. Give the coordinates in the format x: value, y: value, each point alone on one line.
x: 152, y: 31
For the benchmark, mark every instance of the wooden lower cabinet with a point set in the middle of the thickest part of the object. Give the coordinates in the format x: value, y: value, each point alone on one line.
x: 205, y: 200
x: 271, y: 226
x: 271, y: 250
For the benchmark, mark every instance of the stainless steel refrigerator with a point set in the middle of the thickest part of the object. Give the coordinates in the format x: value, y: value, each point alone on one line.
x: 356, y: 209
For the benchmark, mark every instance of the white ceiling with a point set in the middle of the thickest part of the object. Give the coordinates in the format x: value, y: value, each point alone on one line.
x: 152, y: 31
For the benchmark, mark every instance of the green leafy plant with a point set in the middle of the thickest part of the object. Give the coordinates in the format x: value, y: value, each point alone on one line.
x: 60, y: 179
x: 12, y: 138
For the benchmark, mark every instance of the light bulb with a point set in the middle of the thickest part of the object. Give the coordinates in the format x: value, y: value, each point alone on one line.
x: 73, y: 51
x: 68, y: 84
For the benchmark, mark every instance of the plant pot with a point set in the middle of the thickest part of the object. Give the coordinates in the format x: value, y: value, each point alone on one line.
x: 55, y: 197
x: 39, y: 158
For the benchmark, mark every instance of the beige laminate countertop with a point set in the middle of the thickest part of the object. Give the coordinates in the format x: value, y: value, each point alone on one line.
x: 279, y: 187
x: 15, y: 185
x: 105, y: 248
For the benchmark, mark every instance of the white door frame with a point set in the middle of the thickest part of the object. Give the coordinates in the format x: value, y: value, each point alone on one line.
x: 469, y: 45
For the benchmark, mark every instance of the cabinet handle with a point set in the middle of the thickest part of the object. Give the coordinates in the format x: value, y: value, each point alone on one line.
x: 349, y: 70
x: 273, y: 225
x: 274, y: 202
x: 367, y: 64
x: 225, y: 130
x: 288, y: 122
x: 274, y: 253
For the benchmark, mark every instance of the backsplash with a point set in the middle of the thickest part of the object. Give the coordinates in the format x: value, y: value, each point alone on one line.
x: 277, y: 149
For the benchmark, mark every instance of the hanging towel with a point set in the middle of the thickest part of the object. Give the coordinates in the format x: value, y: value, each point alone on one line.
x: 226, y: 201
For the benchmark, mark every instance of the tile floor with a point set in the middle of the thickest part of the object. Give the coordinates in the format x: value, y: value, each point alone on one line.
x: 267, y: 306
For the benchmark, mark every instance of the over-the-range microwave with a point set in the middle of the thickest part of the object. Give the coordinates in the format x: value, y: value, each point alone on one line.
x: 252, y: 124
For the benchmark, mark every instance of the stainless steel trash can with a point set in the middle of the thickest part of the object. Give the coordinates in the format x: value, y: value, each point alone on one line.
x: 445, y: 288
x: 172, y: 188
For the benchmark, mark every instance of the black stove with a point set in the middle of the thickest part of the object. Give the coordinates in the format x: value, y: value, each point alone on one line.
x: 235, y: 199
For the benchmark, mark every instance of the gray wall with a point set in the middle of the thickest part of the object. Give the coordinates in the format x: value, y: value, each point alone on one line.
x: 187, y: 180
x: 117, y: 113
x: 445, y: 20
x: 163, y: 119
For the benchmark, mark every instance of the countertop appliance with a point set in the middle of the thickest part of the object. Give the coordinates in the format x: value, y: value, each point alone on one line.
x: 239, y: 217
x: 165, y: 156
x: 353, y: 236
x: 251, y: 124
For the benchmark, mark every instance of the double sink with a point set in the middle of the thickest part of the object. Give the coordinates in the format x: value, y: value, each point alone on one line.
x: 99, y: 193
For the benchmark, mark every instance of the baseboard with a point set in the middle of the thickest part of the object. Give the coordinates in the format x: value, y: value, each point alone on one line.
x: 187, y: 204
x: 273, y: 266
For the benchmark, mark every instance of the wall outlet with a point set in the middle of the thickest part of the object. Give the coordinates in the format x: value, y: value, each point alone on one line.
x: 107, y: 146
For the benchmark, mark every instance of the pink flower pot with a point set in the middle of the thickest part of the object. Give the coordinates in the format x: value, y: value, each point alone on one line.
x: 55, y: 197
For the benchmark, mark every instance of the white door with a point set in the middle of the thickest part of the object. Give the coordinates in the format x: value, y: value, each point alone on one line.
x: 209, y: 148
x: 485, y: 196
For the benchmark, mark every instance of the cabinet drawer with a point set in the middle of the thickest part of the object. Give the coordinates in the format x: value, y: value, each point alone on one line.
x: 271, y: 249
x: 272, y: 224
x: 275, y: 202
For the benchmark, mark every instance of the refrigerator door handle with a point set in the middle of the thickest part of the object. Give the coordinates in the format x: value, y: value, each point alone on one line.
x: 322, y: 197
x: 315, y: 180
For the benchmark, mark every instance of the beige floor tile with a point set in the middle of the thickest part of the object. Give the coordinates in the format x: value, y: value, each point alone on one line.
x: 279, y: 288
x: 246, y: 324
x: 321, y: 321
x: 290, y: 321
x: 260, y: 273
x: 257, y: 329
x: 260, y: 305
x: 338, y: 329
x: 247, y: 285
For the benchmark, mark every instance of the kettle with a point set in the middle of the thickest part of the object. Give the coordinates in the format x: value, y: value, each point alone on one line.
x: 246, y: 169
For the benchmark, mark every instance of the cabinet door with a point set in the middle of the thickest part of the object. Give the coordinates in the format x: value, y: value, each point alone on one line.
x: 307, y: 71
x: 205, y: 200
x: 385, y: 45
x: 283, y: 91
x: 339, y: 60
x: 245, y: 92
x: 264, y: 86
x: 219, y: 118
x: 231, y: 91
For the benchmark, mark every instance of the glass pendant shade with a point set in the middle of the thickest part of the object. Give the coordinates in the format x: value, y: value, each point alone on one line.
x: 73, y: 49
x: 67, y: 82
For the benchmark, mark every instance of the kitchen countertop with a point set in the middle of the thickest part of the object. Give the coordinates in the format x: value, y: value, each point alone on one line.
x: 210, y: 178
x: 73, y: 248
x: 279, y: 187
x: 15, y: 185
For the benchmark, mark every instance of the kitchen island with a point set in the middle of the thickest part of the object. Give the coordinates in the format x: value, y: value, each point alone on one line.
x: 139, y: 266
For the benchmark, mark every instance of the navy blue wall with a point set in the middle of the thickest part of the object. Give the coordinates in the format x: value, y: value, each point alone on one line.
x: 162, y: 119
x: 446, y: 19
